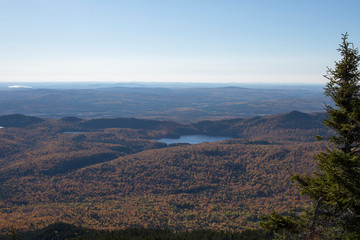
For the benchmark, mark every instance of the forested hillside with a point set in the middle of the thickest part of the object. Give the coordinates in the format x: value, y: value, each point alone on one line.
x: 112, y: 174
x: 62, y: 231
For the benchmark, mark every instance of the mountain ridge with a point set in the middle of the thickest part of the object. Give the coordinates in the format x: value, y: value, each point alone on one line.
x: 293, y: 120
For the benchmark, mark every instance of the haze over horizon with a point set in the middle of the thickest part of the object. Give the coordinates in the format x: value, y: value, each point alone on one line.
x: 173, y: 41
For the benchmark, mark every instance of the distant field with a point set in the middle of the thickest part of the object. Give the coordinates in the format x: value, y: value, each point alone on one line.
x: 181, y: 104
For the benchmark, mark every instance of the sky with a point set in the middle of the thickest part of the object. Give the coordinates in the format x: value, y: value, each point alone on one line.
x: 239, y: 41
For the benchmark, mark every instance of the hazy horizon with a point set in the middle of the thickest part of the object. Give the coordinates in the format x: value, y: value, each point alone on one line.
x: 94, y: 85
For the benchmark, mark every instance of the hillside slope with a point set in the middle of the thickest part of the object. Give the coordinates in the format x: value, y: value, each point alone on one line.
x: 118, y: 177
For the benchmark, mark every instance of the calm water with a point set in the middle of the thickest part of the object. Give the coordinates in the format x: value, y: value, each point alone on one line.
x: 75, y: 132
x: 192, y: 139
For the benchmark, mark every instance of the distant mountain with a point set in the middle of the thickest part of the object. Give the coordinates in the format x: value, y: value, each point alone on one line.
x: 289, y: 126
x: 296, y: 120
x: 102, y: 123
x: 186, y: 105
x: 71, y: 119
x: 297, y: 125
x: 18, y: 120
x: 293, y: 125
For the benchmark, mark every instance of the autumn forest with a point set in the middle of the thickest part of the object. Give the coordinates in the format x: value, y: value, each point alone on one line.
x: 113, y: 174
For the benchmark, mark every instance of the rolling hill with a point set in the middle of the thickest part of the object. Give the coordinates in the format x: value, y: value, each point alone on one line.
x: 186, y: 105
x: 112, y: 174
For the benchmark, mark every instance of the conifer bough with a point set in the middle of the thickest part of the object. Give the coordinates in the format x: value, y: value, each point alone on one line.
x: 335, y: 187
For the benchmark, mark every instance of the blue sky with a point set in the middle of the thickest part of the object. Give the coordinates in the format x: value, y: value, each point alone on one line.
x: 173, y: 40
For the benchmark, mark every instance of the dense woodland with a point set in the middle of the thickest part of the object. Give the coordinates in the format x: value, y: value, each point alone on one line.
x: 111, y: 174
x: 62, y: 231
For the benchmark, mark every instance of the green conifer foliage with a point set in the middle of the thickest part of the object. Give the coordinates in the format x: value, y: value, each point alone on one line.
x: 335, y: 188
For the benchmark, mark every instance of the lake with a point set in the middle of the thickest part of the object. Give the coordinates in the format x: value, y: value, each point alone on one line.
x: 74, y: 132
x: 192, y: 139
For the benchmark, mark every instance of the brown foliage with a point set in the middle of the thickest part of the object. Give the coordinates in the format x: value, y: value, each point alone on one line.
x: 116, y: 178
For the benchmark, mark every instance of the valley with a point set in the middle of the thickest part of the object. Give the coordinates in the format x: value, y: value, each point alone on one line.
x: 112, y: 173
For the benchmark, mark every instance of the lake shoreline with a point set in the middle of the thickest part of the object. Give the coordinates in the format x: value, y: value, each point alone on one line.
x: 193, y: 139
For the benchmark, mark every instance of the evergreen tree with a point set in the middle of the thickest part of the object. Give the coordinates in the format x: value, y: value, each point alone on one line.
x: 335, y: 187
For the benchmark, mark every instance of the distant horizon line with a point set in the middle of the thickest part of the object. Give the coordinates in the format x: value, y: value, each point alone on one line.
x: 154, y: 82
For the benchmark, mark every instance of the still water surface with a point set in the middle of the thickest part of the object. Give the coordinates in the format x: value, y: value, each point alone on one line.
x: 192, y: 139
